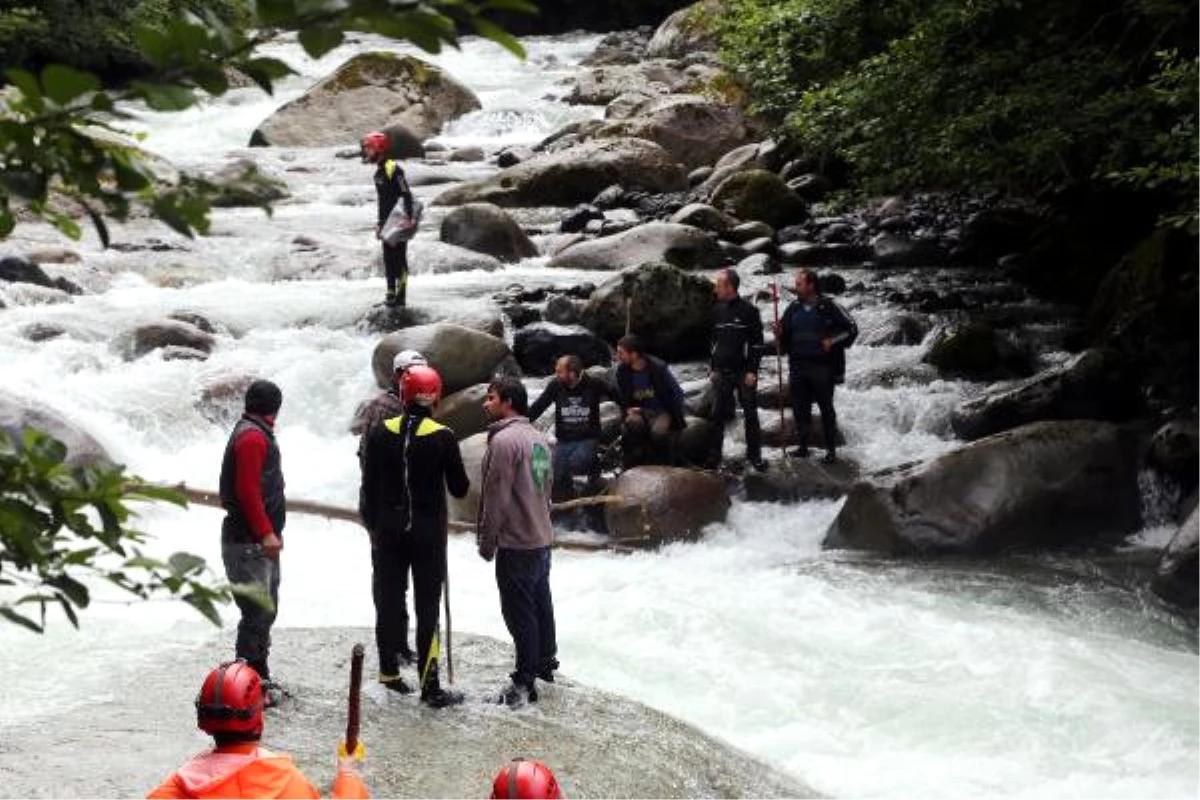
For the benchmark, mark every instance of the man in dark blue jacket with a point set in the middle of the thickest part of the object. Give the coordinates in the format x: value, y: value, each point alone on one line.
x: 652, y: 402
x: 814, y: 332
x: 737, y: 341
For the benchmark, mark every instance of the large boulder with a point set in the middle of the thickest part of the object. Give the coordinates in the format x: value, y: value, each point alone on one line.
x: 168, y: 333
x: 1039, y: 486
x: 681, y: 246
x: 688, y: 30
x: 1146, y: 309
x: 793, y: 479
x: 473, y: 449
x: 371, y: 91
x: 664, y: 504
x: 602, y: 85
x: 695, y: 130
x: 242, y: 183
x: 18, y: 269
x: 1091, y: 385
x: 463, y: 411
x: 975, y: 350
x: 1177, y: 576
x: 669, y: 308
x: 464, y: 357
x: 82, y: 448
x: 575, y: 175
x: 538, y: 346
x: 756, y: 194
x: 1175, y: 451
x: 428, y: 257
x: 487, y: 228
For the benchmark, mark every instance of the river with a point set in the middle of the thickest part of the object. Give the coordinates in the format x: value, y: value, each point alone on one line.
x: 861, y: 677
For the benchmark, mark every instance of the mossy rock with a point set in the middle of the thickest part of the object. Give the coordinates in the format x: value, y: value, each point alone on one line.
x: 371, y: 91
x: 757, y: 194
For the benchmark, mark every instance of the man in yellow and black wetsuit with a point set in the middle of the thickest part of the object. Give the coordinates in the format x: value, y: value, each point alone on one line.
x: 408, y: 464
x: 391, y: 187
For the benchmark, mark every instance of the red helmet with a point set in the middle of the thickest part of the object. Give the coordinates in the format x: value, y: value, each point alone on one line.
x: 231, y: 700
x: 525, y: 779
x: 374, y: 145
x: 421, y: 384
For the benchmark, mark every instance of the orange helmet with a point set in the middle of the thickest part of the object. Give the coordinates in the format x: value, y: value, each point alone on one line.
x: 525, y: 779
x: 231, y: 700
x: 374, y: 146
x: 421, y: 384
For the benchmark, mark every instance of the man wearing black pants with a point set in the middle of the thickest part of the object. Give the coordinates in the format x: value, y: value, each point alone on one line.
x: 737, y: 340
x: 814, y: 332
x: 514, y: 527
x: 409, y: 463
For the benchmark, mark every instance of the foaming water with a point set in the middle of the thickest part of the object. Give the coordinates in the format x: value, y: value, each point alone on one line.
x: 859, y: 676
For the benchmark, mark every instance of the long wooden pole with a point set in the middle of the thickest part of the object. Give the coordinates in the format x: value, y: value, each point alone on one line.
x: 206, y: 497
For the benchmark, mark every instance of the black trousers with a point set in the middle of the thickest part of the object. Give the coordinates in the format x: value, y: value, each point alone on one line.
x: 647, y: 439
x: 395, y: 270
x: 810, y: 382
x: 726, y: 386
x: 245, y: 563
x: 425, y: 556
x: 523, y: 578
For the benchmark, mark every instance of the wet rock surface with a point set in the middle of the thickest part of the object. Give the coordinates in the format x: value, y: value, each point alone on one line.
x: 122, y: 744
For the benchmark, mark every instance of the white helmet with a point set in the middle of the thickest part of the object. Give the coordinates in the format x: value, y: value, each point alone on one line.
x: 407, y: 358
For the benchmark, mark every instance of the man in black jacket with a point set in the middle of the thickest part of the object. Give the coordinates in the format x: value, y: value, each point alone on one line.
x: 409, y: 463
x: 737, y: 341
x: 576, y: 397
x: 814, y: 332
x: 391, y: 187
x: 653, y: 404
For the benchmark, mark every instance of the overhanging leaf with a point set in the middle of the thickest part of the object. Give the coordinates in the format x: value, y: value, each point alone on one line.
x: 319, y: 40
x: 63, y: 84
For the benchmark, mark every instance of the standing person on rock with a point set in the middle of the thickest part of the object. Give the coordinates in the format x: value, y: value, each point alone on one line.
x: 737, y: 342
x: 653, y: 404
x: 814, y: 331
x: 230, y: 709
x: 576, y: 397
x: 409, y: 463
x: 391, y: 187
x: 251, y: 487
x: 514, y: 528
x: 386, y: 405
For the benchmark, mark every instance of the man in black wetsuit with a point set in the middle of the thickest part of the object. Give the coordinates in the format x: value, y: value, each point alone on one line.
x: 409, y: 463
x: 391, y: 187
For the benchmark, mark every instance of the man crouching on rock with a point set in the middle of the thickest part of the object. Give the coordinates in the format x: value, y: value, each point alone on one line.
x: 514, y: 527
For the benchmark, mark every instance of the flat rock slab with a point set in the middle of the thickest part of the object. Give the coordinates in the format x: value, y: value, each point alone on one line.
x: 122, y: 744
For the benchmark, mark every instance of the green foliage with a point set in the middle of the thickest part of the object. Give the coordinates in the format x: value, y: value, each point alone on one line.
x: 52, y: 160
x: 61, y: 525
x: 1015, y: 94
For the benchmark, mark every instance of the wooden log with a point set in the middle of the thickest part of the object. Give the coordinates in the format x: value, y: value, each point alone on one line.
x: 206, y: 497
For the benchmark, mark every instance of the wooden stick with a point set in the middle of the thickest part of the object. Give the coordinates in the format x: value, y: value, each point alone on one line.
x: 205, y: 497
x: 352, y: 702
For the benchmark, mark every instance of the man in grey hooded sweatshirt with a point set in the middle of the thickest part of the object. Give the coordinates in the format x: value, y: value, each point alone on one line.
x: 514, y: 528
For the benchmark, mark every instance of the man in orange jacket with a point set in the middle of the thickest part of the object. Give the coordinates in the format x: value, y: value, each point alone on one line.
x: 230, y: 709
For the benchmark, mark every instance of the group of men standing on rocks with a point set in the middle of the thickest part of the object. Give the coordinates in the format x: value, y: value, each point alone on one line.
x: 813, y: 332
